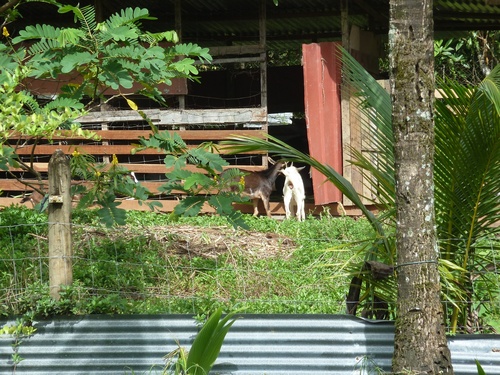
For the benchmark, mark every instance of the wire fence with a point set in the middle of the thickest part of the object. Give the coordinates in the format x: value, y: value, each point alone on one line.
x: 184, y: 269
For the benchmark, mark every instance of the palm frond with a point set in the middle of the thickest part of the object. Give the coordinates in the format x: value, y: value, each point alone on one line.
x: 467, y: 171
x: 274, y: 146
x: 374, y: 117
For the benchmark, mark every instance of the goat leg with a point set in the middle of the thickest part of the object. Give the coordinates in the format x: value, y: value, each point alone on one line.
x: 255, y: 203
x: 301, y: 215
x: 267, y: 206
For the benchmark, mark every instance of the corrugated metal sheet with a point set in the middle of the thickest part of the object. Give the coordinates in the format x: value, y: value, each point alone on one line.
x: 290, y: 24
x: 322, y: 79
x: 256, y: 344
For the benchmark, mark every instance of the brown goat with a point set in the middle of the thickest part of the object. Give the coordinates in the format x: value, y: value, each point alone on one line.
x: 259, y: 185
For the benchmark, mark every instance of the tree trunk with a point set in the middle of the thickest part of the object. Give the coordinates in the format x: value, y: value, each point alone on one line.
x: 420, y: 345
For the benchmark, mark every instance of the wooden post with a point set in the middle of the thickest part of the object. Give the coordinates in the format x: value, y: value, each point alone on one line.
x: 60, y: 247
x: 347, y: 122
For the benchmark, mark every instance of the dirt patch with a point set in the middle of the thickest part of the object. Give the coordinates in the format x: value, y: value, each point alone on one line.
x: 211, y: 242
x: 208, y: 242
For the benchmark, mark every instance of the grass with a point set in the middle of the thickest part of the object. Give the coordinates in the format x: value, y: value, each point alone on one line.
x: 160, y: 264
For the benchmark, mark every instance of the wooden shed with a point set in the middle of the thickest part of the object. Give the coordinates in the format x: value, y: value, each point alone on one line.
x: 270, y: 78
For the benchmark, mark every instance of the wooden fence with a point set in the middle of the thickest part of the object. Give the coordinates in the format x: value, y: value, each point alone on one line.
x: 119, y: 132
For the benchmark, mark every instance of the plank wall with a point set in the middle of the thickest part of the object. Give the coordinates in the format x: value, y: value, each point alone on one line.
x: 119, y: 132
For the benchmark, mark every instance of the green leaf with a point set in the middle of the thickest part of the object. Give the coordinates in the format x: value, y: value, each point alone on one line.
x: 179, y: 174
x: 194, y: 50
x: 212, y: 162
x: 123, y: 33
x: 208, y: 343
x: 64, y: 102
x: 185, y: 66
x: 113, y: 75
x: 480, y: 370
x: 223, y: 204
x: 153, y: 205
x: 70, y: 62
x: 85, y: 15
x: 110, y: 213
x: 169, y: 161
x: 8, y: 158
x: 70, y: 36
x: 197, y: 179
x: 189, y: 206
x: 37, y: 32
x: 129, y: 15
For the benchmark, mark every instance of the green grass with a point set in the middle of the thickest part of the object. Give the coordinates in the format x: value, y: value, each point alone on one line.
x: 140, y: 269
x: 160, y: 264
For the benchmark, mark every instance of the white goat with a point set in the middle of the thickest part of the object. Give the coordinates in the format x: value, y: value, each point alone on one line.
x: 293, y: 192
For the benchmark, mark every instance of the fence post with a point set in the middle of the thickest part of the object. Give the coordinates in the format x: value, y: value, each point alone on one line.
x: 59, y: 210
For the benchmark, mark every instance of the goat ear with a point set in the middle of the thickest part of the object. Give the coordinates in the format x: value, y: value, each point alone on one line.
x: 300, y: 168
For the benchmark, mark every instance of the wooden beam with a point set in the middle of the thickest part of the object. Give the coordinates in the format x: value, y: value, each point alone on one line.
x: 234, y: 60
x: 144, y: 168
x: 254, y: 49
x: 181, y: 116
x: 103, y: 150
x: 134, y: 135
x: 277, y: 208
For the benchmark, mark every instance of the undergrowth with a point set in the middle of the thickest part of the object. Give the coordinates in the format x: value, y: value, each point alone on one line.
x: 153, y: 265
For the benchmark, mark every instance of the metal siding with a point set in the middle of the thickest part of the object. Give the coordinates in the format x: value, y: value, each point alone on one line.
x: 322, y: 81
x: 256, y: 344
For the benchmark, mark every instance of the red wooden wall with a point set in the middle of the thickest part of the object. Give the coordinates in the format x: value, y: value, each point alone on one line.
x: 322, y: 85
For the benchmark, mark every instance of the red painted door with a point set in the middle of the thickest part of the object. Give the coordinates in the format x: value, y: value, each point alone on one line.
x: 322, y: 85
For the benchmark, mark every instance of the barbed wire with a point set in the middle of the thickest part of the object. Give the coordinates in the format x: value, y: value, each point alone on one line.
x: 150, y: 266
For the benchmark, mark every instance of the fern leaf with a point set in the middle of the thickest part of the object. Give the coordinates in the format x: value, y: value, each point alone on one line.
x: 185, y: 66
x: 43, y: 46
x: 63, y: 102
x: 154, y: 38
x: 72, y: 61
x: 124, y: 33
x: 189, y: 206
x: 85, y: 16
x: 135, y: 52
x: 130, y: 65
x: 128, y: 16
x: 30, y: 102
x: 206, y: 159
x: 191, y: 49
x: 74, y: 91
x: 37, y: 32
x: 111, y: 214
x: 70, y: 36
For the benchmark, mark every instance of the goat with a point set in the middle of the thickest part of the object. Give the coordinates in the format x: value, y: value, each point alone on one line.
x: 259, y: 185
x: 293, y: 192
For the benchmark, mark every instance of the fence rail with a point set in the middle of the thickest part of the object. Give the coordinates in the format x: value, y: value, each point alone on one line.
x: 119, y: 132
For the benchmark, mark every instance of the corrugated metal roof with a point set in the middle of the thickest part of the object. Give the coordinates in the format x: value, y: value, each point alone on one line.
x: 256, y: 344
x: 290, y: 24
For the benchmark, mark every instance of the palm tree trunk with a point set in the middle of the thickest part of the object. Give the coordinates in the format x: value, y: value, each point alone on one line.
x: 420, y: 339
